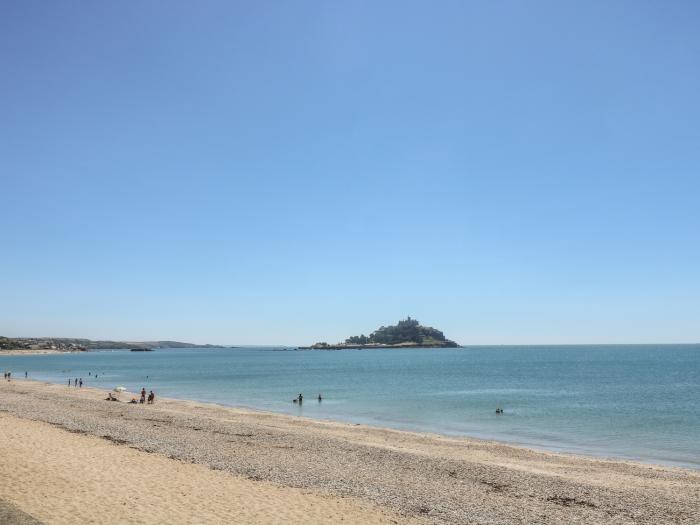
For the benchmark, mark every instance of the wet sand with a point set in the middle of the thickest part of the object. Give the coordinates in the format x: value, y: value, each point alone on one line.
x: 207, y: 463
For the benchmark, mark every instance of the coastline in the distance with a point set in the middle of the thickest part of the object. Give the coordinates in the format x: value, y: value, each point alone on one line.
x: 49, y: 345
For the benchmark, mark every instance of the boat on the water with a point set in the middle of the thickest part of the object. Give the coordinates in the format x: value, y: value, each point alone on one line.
x: 141, y: 349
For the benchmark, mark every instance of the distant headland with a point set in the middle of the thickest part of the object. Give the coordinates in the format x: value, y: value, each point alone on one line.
x: 408, y: 333
x: 63, y: 344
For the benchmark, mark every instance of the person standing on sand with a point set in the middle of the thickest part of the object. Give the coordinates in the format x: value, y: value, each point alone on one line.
x: 143, y: 395
x: 25, y: 374
x: 151, y: 397
x: 69, y: 381
x: 81, y: 382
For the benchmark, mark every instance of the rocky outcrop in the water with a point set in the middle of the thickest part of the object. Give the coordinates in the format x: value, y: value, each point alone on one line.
x: 405, y: 334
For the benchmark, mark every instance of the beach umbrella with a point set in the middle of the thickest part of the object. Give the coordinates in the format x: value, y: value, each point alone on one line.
x: 120, y: 389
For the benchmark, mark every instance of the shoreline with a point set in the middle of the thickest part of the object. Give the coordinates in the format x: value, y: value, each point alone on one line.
x: 566, y: 450
x: 39, y: 351
x: 409, y: 429
x: 429, y: 477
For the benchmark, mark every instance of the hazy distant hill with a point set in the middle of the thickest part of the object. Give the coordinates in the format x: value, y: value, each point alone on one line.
x: 66, y: 343
x: 104, y: 345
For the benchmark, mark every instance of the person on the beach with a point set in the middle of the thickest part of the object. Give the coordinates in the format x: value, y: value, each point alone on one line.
x: 81, y: 382
x: 300, y: 399
x: 25, y: 374
x: 69, y: 381
x: 320, y: 398
x: 143, y: 395
x: 151, y: 397
x: 76, y: 382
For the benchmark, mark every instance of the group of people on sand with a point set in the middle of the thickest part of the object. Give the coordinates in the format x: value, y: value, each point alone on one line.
x: 8, y: 375
x: 300, y: 399
x: 151, y: 397
x: 149, y: 400
x: 77, y: 382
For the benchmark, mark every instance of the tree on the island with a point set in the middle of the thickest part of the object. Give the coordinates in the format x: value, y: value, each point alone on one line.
x: 358, y: 340
x: 405, y: 331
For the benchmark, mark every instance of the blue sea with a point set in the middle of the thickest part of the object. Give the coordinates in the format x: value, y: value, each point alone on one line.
x: 638, y: 402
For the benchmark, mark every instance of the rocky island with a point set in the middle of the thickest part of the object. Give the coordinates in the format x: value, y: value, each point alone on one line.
x: 408, y: 333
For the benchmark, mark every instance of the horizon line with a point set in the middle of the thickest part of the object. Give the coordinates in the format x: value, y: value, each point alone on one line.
x: 222, y: 345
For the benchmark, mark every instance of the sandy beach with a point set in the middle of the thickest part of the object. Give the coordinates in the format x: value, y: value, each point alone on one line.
x: 68, y: 456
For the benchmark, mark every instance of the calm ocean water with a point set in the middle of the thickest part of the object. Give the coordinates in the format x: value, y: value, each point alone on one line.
x: 639, y: 402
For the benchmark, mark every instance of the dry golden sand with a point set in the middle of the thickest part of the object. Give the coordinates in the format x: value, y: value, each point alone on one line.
x: 268, y: 467
x: 62, y: 477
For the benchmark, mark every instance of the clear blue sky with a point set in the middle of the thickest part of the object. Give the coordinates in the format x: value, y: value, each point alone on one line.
x: 287, y: 172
